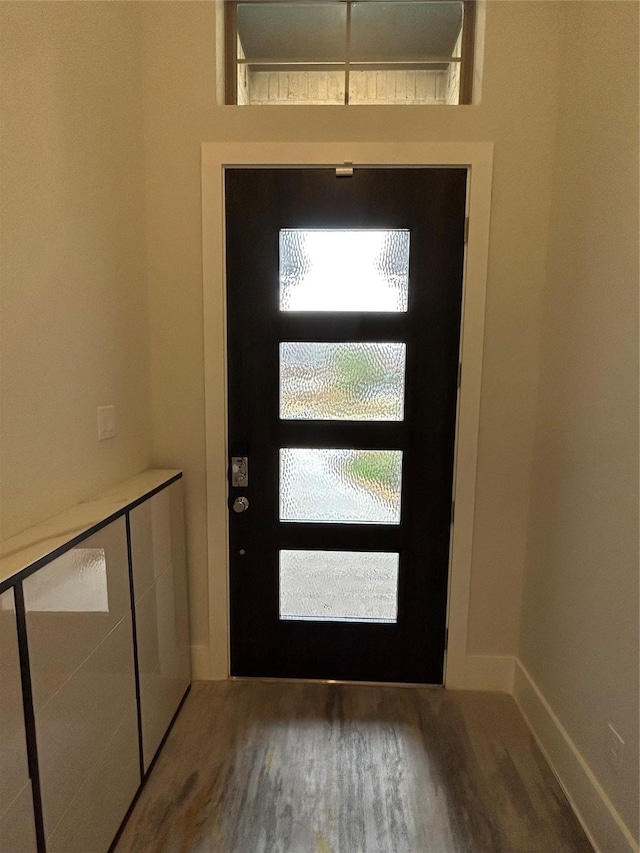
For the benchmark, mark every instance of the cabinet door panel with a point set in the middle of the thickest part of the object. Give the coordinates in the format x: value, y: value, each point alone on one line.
x: 74, y: 727
x: 17, y: 830
x: 180, y: 583
x: 159, y: 572
x: 72, y: 604
x: 151, y: 540
x: 176, y: 508
x: 163, y: 658
x: 112, y: 783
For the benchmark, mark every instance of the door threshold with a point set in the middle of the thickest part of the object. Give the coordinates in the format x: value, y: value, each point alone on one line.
x: 269, y: 680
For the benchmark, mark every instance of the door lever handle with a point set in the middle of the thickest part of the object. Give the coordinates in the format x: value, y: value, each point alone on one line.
x: 240, y: 505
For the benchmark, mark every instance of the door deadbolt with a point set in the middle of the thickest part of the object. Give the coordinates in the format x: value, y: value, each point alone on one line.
x: 239, y: 471
x: 240, y: 505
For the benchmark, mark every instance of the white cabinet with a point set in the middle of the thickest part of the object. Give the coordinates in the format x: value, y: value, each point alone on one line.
x: 96, y: 600
x: 79, y: 627
x: 17, y: 827
x: 160, y: 595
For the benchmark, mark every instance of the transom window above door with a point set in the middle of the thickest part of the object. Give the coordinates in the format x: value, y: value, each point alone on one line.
x: 349, y: 52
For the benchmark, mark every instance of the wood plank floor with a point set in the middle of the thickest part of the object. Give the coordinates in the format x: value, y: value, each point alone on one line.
x: 253, y: 767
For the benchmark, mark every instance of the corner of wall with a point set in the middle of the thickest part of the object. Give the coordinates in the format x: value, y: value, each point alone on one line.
x: 492, y: 673
x: 578, y: 639
x: 603, y: 825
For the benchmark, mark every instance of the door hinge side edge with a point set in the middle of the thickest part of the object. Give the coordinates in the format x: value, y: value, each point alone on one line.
x: 446, y: 639
x: 453, y: 510
x: 466, y: 229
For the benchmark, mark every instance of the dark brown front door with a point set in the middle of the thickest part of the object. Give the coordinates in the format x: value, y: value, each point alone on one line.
x: 344, y: 298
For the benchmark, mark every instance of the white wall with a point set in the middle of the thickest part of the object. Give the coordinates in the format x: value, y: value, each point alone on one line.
x: 580, y: 605
x: 518, y: 113
x: 73, y: 314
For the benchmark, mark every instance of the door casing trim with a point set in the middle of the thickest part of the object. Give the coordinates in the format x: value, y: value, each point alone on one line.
x: 211, y: 661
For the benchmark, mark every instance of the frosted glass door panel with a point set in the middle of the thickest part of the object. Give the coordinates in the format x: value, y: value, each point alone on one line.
x: 344, y: 270
x: 358, y: 586
x: 343, y: 486
x: 342, y: 382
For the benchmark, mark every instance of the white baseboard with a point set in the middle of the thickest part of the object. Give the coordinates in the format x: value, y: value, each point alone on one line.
x: 480, y: 672
x: 474, y: 672
x: 600, y: 820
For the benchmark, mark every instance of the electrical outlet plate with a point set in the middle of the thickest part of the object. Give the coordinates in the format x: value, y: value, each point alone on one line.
x: 106, y: 422
x: 615, y: 749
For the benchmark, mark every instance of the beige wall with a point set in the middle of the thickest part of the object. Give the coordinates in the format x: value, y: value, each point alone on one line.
x: 73, y: 304
x: 580, y: 606
x: 105, y: 106
x: 518, y: 113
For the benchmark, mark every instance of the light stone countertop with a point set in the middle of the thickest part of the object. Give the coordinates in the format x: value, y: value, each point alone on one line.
x: 38, y: 542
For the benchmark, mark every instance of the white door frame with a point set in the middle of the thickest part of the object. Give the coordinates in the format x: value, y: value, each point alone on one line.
x: 461, y: 669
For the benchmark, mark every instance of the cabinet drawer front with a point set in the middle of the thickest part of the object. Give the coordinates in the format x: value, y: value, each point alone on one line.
x: 72, y: 604
x: 75, y: 726
x: 157, y: 537
x: 163, y: 656
x: 17, y: 829
x: 95, y: 813
x: 151, y: 549
x: 14, y: 769
x: 17, y: 826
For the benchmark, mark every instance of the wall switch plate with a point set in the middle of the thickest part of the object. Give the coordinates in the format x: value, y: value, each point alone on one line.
x: 615, y: 749
x: 106, y: 422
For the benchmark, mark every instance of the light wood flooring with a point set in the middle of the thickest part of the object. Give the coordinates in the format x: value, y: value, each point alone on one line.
x: 254, y: 767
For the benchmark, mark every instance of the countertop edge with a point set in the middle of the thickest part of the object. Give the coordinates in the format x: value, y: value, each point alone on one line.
x: 24, y: 553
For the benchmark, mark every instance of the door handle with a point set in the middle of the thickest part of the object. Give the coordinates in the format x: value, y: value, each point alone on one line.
x: 240, y: 504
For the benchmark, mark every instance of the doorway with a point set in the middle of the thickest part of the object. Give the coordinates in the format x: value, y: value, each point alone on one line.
x: 344, y: 300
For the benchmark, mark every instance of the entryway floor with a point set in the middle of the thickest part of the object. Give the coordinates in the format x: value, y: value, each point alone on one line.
x: 259, y: 767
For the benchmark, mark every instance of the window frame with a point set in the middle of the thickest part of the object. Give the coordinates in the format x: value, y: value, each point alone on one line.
x: 466, y: 52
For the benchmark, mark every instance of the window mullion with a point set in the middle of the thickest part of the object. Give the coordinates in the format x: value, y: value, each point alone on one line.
x: 347, y: 54
x: 231, y: 48
x: 467, y: 50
